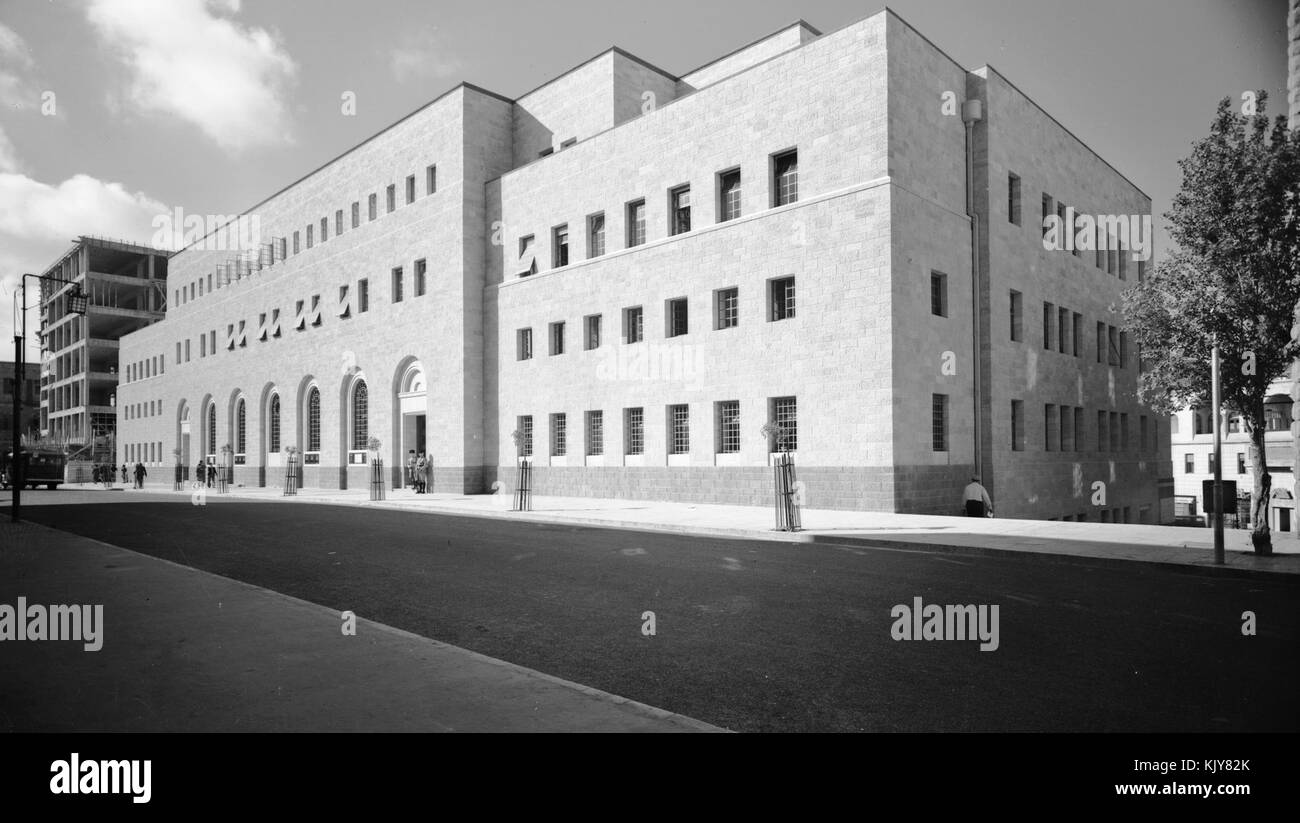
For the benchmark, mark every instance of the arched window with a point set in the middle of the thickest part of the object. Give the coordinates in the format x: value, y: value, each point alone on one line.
x: 212, y: 428
x: 274, y: 423
x: 313, y: 420
x: 360, y: 416
x: 240, y: 428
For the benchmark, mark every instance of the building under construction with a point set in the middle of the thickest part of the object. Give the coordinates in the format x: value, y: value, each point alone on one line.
x: 126, y: 284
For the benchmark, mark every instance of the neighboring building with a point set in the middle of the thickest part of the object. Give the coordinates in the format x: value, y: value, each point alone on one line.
x: 31, y: 406
x: 1192, y: 442
x: 126, y: 286
x: 635, y: 271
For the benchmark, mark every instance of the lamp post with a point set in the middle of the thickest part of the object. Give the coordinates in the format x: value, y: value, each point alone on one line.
x: 77, y: 304
x: 1215, y: 401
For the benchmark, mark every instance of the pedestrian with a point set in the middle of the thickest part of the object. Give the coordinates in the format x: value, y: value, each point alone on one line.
x: 199, y: 472
x: 212, y: 475
x: 94, y: 473
x: 124, y: 475
x: 140, y: 474
x: 428, y: 474
x: 419, y: 474
x: 410, y: 468
x: 976, y: 499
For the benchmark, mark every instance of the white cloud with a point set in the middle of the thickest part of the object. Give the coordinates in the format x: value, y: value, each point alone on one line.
x: 228, y: 80
x: 15, y: 65
x: 421, y: 56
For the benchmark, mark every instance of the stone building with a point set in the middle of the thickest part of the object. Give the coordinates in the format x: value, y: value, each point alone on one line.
x: 623, y: 274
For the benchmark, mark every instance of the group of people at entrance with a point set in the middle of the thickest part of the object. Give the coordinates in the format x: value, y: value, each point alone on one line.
x: 205, y: 471
x: 106, y: 474
x: 419, y: 472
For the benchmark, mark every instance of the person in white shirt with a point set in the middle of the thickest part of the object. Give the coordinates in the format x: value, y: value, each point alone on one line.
x: 977, y: 499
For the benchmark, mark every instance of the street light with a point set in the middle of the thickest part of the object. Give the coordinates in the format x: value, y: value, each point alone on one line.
x: 78, y: 303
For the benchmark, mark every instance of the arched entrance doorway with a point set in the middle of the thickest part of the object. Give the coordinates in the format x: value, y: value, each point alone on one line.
x: 183, y: 439
x: 412, y: 408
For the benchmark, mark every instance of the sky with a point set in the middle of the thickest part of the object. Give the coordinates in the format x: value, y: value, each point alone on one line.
x: 114, y: 111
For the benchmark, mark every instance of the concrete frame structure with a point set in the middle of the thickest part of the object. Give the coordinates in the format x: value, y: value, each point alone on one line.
x: 485, y: 261
x: 126, y: 288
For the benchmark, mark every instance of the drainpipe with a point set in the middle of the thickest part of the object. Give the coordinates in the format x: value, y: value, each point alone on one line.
x: 972, y: 111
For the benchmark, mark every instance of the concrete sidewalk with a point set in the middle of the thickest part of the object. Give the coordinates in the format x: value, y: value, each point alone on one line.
x: 185, y: 650
x: 1104, y: 541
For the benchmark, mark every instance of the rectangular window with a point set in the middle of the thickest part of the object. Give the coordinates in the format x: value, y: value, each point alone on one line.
x: 1063, y: 330
x: 363, y: 295
x: 635, y: 223
x: 1114, y: 431
x: 557, y: 338
x: 1123, y: 260
x: 410, y: 189
x: 187, y: 351
x: 431, y: 179
x: 178, y: 351
x: 1050, y: 428
x: 1241, y: 462
x: 781, y: 298
x: 373, y: 205
x: 419, y: 278
x: 726, y: 307
x: 1078, y: 430
x: 525, y: 429
x: 1101, y: 342
x: 1049, y: 314
x: 309, y: 235
x: 1101, y: 249
x: 596, y: 235
x: 1013, y: 198
x: 524, y: 344
x: 324, y: 229
x: 295, y: 242
x: 1017, y: 425
x: 785, y: 178
x: 338, y: 222
x: 634, y: 431
x: 728, y: 426
x: 676, y: 317
x: 1047, y: 211
x: 1144, y: 442
x: 785, y: 414
x: 728, y: 195
x: 1142, y: 270
x: 679, y: 429
x: 633, y: 327
x: 397, y: 284
x: 1123, y: 432
x: 390, y: 195
x: 1074, y: 235
x: 559, y: 435
x: 595, y: 432
x: 1067, y: 429
x: 938, y: 294
x: 560, y: 246
x: 1113, y: 336
x: 591, y: 331
x: 1017, y: 316
x: 1102, y: 439
x: 356, y: 214
x: 1076, y: 333
x: 203, y: 345
x: 679, y: 205
x: 1123, y: 349
x: 939, y: 422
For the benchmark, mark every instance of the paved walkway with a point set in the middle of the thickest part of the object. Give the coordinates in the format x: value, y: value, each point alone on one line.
x: 186, y: 650
x: 1115, y: 541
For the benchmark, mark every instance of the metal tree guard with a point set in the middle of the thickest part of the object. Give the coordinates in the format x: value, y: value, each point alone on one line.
x: 291, y: 471
x: 224, y: 470
x: 524, y: 483
x: 376, y: 470
x: 784, y: 480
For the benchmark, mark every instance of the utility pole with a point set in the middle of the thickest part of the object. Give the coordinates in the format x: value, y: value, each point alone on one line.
x: 1218, y: 455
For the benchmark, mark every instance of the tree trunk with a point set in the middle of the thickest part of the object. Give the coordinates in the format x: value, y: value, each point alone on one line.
x: 1262, y: 487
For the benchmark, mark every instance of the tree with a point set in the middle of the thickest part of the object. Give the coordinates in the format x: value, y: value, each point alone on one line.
x: 1234, y: 280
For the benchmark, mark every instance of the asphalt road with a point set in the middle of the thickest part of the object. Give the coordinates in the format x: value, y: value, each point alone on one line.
x: 765, y: 636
